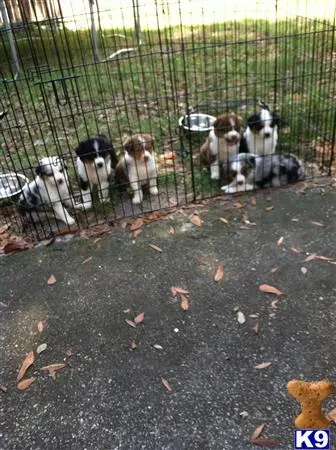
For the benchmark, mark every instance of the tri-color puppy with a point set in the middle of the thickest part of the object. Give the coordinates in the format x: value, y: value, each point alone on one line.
x: 254, y: 171
x: 96, y: 160
x: 222, y: 144
x: 261, y: 134
x: 46, y: 196
x: 138, y: 166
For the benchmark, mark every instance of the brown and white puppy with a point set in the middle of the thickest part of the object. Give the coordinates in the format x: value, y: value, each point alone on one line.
x: 138, y: 166
x: 222, y: 143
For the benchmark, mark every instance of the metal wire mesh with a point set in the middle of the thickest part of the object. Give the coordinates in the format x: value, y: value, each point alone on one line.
x: 72, y: 70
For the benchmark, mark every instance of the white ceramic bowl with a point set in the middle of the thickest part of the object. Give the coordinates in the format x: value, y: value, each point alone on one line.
x: 11, y: 185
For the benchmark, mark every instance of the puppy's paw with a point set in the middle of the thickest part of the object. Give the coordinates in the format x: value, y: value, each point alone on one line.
x: 86, y: 205
x: 137, y: 199
x: 214, y: 175
x: 154, y: 190
x: 225, y: 188
x: 71, y: 221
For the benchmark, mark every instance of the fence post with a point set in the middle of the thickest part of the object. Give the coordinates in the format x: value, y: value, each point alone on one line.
x: 94, y: 32
x: 10, y: 35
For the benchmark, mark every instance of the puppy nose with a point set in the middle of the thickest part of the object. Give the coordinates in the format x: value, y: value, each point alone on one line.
x: 60, y: 181
x: 240, y: 183
x: 267, y: 135
x: 100, y: 165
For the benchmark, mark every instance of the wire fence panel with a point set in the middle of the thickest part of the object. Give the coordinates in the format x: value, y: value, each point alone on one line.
x: 124, y: 96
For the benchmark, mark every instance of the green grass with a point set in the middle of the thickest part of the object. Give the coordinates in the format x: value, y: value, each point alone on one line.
x: 210, y: 68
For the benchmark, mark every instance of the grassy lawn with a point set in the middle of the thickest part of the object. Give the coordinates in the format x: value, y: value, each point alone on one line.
x: 62, y: 96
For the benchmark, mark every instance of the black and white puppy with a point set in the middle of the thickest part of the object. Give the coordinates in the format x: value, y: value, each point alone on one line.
x: 254, y: 171
x: 261, y: 134
x: 46, y: 196
x: 96, y: 160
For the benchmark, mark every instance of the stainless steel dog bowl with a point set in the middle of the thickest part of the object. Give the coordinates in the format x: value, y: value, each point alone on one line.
x: 198, y: 123
x: 11, y: 185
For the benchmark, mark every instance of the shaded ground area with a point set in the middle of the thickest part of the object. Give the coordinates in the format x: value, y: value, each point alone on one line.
x: 110, y: 396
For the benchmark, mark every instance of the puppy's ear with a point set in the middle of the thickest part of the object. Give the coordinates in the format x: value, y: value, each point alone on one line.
x: 253, y: 120
x: 129, y: 145
x: 240, y: 121
x: 250, y: 160
x: 39, y: 169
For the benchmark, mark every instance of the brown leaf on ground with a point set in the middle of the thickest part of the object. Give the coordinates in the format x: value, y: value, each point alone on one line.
x: 130, y: 323
x: 24, y: 384
x: 280, y: 241
x: 253, y: 201
x: 178, y: 290
x: 4, y: 228
x: 266, y: 442
x: 274, y: 269
x: 171, y: 231
x: 139, y: 318
x: 269, y: 208
x: 332, y: 415
x: 263, y: 365
x: 166, y: 384
x: 322, y: 258
x: 318, y: 224
x: 219, y: 273
x: 256, y: 327
x: 15, y: 244
x: 136, y: 224
x: 310, y: 257
x: 268, y: 289
x: 296, y: 250
x: 133, y: 345
x: 136, y: 233
x: 196, y: 220
x: 222, y: 219
x: 3, y: 388
x: 48, y: 242
x: 53, y: 367
x: 87, y: 260
x: 51, y: 280
x: 95, y: 241
x: 28, y: 361
x: 155, y: 247
x: 274, y: 303
x: 40, y: 327
x: 239, y: 205
x: 257, y: 432
x: 41, y: 348
x: 3, y: 305
x: 184, y: 302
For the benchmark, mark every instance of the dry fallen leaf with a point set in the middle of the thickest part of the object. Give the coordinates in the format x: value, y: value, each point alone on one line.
x: 155, y: 247
x: 51, y: 280
x: 29, y: 360
x: 257, y: 432
x: 87, y: 260
x: 178, y: 290
x: 137, y: 223
x: 266, y: 442
x: 40, y: 327
x: 224, y: 220
x: 41, y: 348
x: 318, y: 224
x: 3, y: 388
x: 53, y: 367
x: 241, y: 317
x: 332, y: 415
x: 239, y: 205
x: 136, y: 233
x: 323, y: 258
x: 166, y: 384
x: 310, y: 257
x: 269, y: 208
x: 219, y: 273
x: 296, y: 250
x: 195, y: 220
x: 184, y: 302
x: 274, y: 269
x: 15, y: 244
x: 266, y: 288
x: 263, y: 365
x: 24, y: 384
x: 139, y: 318
x: 130, y: 323
x: 253, y: 201
x: 280, y: 241
x: 256, y: 327
x: 126, y: 311
x: 47, y: 242
x: 274, y: 303
x: 133, y: 345
x: 3, y: 305
x: 171, y: 231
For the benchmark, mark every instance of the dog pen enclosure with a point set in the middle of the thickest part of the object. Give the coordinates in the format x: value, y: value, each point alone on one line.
x: 72, y: 69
